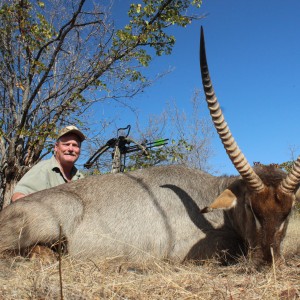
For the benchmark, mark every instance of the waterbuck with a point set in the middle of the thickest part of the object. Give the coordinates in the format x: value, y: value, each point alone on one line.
x: 166, y: 212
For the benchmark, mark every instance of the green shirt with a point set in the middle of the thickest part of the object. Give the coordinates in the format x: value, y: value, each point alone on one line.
x: 44, y: 175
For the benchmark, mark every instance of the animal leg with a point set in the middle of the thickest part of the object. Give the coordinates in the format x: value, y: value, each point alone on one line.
x: 25, y: 224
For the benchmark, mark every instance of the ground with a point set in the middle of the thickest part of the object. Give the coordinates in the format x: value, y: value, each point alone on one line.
x: 114, y: 279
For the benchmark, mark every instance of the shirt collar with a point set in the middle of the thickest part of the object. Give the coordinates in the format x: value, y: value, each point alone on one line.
x: 55, y: 166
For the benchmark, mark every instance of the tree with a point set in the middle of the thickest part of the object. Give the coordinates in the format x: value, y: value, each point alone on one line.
x: 189, y: 137
x: 194, y: 133
x: 189, y: 140
x: 55, y: 55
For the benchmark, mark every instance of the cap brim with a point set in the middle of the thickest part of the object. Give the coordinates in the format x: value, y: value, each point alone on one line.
x: 77, y: 132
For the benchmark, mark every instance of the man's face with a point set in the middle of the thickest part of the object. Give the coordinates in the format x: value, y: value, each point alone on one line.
x: 67, y: 149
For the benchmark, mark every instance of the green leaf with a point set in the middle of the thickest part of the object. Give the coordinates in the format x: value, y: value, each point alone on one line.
x: 41, y: 4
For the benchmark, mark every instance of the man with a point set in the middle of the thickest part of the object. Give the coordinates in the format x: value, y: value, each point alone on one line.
x: 58, y: 169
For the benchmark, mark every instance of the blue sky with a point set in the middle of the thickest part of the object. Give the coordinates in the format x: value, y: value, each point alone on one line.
x: 253, y: 51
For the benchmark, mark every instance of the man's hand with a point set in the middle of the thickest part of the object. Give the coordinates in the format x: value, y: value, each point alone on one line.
x: 17, y: 196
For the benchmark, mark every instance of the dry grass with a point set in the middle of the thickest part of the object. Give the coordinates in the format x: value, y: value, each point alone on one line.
x: 114, y: 279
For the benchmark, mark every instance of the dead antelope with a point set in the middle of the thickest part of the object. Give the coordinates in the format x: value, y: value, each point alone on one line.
x: 167, y: 212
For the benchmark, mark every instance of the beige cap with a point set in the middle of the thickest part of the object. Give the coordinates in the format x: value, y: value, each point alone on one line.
x: 71, y: 129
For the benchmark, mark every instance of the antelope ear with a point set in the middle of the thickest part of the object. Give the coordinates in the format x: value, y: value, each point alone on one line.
x: 226, y: 200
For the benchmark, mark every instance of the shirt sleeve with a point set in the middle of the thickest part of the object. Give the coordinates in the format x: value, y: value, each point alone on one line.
x: 33, y: 181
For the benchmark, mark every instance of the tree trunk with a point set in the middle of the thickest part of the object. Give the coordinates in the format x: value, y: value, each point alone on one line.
x: 7, y: 192
x: 9, y: 178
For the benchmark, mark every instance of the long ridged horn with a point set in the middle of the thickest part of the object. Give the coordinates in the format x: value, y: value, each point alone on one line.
x: 292, y: 180
x: 235, y: 154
